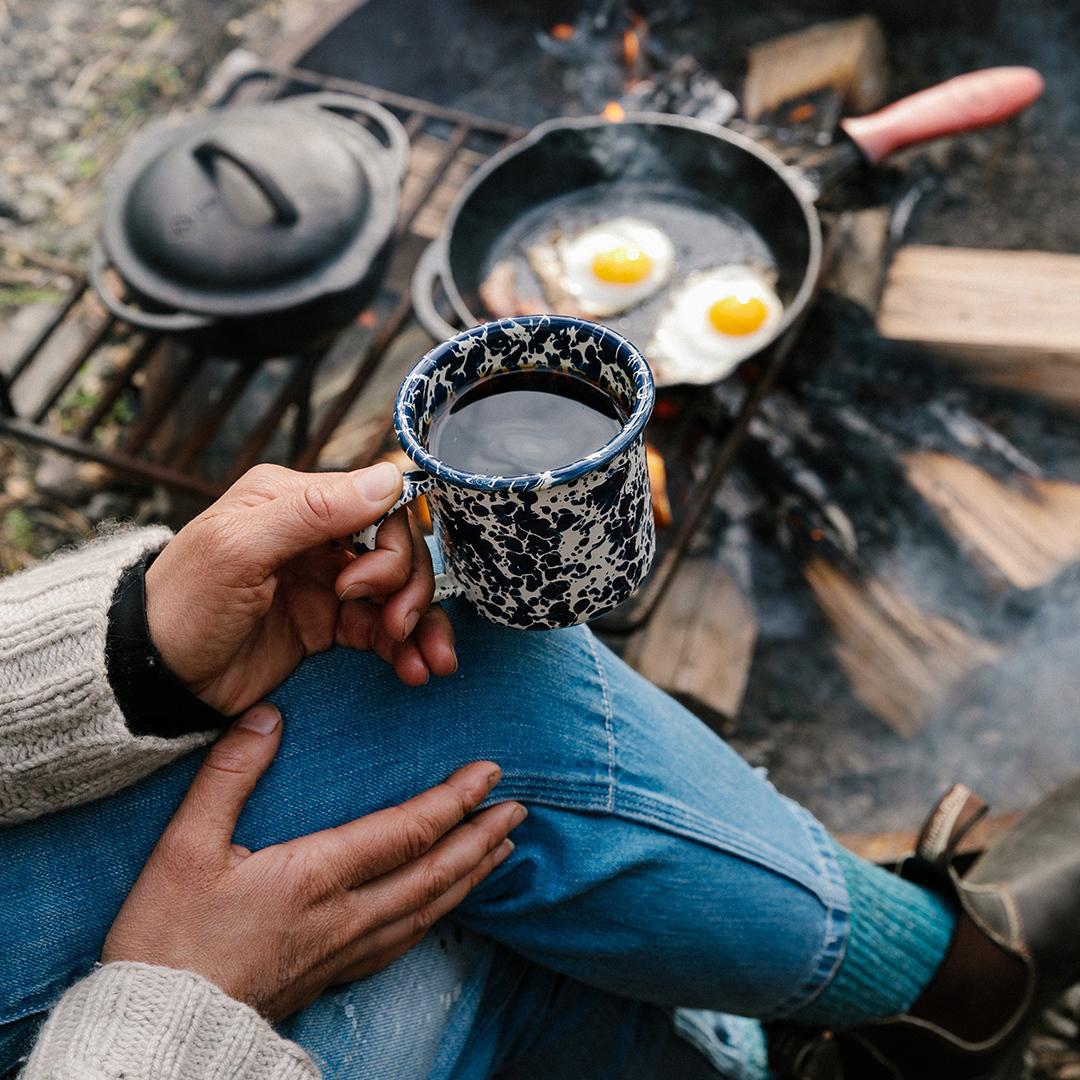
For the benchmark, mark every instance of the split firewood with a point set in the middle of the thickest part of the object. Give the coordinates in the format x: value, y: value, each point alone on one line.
x: 700, y: 640
x: 847, y: 56
x: 1008, y: 318
x: 902, y: 662
x: 1025, y: 535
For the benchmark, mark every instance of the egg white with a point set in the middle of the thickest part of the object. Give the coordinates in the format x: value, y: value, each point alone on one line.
x: 565, y: 266
x: 686, y: 347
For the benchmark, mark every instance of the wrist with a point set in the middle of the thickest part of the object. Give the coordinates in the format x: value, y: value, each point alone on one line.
x: 153, y: 699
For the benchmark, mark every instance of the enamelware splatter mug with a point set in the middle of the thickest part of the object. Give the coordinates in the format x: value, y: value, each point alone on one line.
x: 547, y: 549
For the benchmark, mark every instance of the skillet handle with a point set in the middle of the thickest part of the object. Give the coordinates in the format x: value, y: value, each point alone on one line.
x: 977, y: 99
x: 422, y: 291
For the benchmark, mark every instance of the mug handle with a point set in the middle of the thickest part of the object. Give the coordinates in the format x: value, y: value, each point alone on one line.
x: 414, y: 483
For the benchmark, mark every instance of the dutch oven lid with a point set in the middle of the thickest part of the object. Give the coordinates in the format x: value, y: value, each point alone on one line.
x: 249, y: 209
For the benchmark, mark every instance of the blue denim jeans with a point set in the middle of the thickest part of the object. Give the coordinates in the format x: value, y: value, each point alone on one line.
x: 656, y: 875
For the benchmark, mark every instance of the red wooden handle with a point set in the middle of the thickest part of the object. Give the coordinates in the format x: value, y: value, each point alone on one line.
x: 975, y: 100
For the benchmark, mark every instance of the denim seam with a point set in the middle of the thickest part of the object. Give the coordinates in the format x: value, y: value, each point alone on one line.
x: 655, y: 811
x: 837, y: 922
x: 609, y: 717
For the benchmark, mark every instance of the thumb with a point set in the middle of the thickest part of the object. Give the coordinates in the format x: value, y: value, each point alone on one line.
x: 208, y: 814
x: 317, y: 507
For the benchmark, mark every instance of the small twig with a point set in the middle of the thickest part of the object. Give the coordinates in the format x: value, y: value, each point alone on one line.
x: 40, y: 258
x: 14, y: 275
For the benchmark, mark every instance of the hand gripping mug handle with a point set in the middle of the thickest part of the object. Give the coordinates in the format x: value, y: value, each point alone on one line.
x: 414, y: 484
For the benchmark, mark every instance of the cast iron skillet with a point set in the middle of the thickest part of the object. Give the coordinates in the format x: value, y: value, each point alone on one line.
x: 727, y: 199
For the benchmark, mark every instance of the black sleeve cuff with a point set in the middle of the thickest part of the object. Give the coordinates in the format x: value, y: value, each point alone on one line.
x: 153, y: 700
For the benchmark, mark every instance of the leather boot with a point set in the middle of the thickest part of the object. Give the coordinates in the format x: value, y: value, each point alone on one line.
x: 1015, y: 951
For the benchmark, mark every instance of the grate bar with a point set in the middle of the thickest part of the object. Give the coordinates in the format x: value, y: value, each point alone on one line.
x: 449, y: 154
x: 153, y: 416
x: 120, y: 381
x: 208, y: 427
x: 336, y: 413
x: 295, y: 387
x: 29, y: 354
x: 75, y: 364
x: 147, y: 471
x: 402, y: 102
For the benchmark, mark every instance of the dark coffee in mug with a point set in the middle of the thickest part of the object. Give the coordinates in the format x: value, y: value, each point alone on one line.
x: 520, y: 422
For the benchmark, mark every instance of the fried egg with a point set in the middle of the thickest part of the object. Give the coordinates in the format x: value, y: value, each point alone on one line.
x: 714, y: 319
x: 604, y: 269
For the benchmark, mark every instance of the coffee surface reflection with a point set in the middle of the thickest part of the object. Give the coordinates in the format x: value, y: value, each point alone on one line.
x: 523, y: 422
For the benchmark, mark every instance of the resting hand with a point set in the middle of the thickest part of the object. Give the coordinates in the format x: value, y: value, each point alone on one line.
x: 257, y: 582
x: 275, y: 927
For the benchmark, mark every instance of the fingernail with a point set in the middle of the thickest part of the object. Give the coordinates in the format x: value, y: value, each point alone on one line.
x: 410, y: 623
x: 493, y: 778
x: 378, y: 482
x: 504, y: 850
x: 518, y: 816
x: 357, y: 591
x: 453, y: 656
x: 261, y: 719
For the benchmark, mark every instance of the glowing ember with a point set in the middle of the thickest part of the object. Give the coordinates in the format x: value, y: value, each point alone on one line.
x: 614, y: 112
x: 631, y: 48
x: 562, y: 31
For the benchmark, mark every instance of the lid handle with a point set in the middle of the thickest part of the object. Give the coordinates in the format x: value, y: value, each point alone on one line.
x: 285, y: 212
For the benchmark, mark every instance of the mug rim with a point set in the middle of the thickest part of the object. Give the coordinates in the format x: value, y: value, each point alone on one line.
x: 635, y: 422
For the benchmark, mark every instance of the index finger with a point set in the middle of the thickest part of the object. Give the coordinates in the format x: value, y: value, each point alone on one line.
x: 380, y: 842
x: 403, y: 610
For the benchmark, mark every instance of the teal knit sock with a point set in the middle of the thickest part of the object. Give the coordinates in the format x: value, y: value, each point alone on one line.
x: 898, y: 937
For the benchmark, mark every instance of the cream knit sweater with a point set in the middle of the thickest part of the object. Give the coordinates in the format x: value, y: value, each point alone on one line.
x: 63, y: 741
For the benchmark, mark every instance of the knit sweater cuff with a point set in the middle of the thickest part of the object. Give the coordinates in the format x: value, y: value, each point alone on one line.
x: 63, y: 736
x: 157, y: 1023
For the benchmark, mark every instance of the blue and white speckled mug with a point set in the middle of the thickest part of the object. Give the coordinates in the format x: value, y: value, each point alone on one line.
x: 547, y: 549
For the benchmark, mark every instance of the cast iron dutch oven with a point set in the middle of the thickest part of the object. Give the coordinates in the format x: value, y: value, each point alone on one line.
x: 253, y: 231
x: 585, y: 170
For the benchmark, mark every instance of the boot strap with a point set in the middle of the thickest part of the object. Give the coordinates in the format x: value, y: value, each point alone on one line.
x: 954, y: 815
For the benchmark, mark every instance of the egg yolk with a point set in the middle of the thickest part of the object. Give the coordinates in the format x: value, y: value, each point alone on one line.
x: 734, y: 315
x: 622, y: 265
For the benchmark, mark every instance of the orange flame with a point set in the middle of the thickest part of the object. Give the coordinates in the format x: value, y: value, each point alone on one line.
x: 631, y: 47
x: 562, y: 31
x: 614, y: 112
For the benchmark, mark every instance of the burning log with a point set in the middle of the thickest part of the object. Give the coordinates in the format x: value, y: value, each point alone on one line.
x: 661, y: 503
x: 1025, y: 536
x: 847, y: 57
x: 1009, y: 318
x: 901, y: 661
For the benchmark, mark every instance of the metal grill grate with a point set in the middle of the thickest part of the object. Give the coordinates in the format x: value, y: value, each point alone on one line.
x: 170, y: 421
x: 39, y: 384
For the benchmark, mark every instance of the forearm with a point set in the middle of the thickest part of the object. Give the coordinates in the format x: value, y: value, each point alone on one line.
x: 63, y: 736
x: 157, y: 1023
